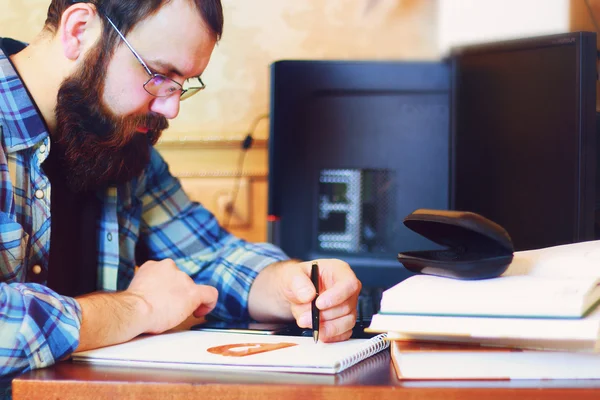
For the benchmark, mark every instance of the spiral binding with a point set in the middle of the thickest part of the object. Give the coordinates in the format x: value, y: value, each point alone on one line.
x: 366, y: 350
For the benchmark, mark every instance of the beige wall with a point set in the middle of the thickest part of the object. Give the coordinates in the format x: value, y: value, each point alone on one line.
x: 582, y: 18
x: 258, y: 32
x: 465, y: 22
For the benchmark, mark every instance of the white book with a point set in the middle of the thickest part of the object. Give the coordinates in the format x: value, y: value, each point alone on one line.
x: 198, y: 350
x: 560, y: 281
x: 531, y: 333
x: 432, y: 361
x: 528, y: 333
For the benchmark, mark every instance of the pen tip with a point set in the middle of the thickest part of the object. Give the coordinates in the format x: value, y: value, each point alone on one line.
x: 316, y: 336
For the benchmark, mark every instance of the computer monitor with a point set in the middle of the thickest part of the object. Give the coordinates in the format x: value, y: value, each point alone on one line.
x: 524, y: 136
x: 354, y: 147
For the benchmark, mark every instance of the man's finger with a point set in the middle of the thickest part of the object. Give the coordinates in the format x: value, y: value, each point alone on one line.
x: 338, y: 293
x: 298, y: 310
x: 206, y: 298
x: 348, y: 307
x: 338, y: 338
x: 337, y: 327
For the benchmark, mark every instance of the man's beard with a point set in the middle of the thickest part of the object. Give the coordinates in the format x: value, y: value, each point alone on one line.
x: 96, y: 148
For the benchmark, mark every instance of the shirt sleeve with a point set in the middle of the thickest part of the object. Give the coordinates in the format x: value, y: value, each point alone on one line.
x: 37, y: 327
x: 177, y: 228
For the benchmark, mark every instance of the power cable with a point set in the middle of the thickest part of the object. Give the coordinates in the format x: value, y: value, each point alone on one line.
x: 246, y: 144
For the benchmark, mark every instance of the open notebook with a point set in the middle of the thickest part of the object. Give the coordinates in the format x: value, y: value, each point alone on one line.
x: 230, y: 352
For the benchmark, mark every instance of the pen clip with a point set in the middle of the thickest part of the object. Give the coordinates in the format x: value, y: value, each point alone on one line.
x: 314, y: 276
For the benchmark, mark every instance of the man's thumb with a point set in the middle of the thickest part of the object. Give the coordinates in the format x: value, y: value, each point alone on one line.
x: 302, y: 288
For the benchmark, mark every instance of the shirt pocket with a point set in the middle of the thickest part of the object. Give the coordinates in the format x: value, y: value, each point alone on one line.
x: 13, y: 249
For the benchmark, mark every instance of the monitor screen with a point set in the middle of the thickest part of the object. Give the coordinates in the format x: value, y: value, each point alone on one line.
x: 523, y: 136
x: 354, y: 147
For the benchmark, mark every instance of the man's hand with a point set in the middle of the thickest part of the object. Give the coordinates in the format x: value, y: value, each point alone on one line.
x: 336, y: 302
x: 291, y: 291
x: 171, y: 295
x: 159, y: 298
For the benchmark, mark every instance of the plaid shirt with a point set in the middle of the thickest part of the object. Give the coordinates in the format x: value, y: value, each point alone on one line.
x: 39, y: 326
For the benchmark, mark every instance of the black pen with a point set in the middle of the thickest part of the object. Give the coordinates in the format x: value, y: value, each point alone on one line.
x: 314, y: 277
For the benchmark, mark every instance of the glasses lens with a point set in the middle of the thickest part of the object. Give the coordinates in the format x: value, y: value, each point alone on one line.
x: 192, y: 86
x: 161, y: 86
x: 189, y: 93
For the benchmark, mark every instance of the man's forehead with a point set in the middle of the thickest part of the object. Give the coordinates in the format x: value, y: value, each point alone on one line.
x: 176, y: 37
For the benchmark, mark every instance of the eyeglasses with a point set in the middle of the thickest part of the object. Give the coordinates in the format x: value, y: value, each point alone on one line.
x: 159, y: 85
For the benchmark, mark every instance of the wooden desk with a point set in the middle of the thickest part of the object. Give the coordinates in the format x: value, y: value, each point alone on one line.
x: 373, y: 379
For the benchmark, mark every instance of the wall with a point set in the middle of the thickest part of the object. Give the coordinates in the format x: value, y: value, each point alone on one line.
x: 462, y: 22
x: 202, y: 145
x: 584, y: 18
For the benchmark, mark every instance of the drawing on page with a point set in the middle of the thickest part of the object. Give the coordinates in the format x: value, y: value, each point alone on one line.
x: 247, y: 349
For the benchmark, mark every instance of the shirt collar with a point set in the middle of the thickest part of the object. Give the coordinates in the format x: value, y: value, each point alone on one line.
x: 20, y: 122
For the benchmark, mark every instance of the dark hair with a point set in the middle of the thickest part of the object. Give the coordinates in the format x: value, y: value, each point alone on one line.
x: 127, y: 13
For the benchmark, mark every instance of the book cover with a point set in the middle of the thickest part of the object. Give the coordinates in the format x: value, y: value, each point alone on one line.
x: 442, y: 361
x: 231, y: 352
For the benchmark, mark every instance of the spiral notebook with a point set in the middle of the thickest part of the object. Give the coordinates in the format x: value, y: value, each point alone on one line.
x: 230, y: 352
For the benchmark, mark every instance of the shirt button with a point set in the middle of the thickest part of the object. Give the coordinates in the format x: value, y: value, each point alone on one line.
x: 39, y: 194
x: 43, y: 148
x: 36, y: 269
x: 109, y: 237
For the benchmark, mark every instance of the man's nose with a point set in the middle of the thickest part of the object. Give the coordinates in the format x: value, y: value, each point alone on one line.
x: 166, y: 106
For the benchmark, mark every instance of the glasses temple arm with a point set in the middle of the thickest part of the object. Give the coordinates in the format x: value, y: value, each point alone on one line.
x: 128, y: 45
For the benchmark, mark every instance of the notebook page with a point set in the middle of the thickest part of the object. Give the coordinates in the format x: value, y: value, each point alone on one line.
x: 190, y: 349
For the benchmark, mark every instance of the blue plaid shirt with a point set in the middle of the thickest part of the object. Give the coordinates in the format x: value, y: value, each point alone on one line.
x: 39, y: 326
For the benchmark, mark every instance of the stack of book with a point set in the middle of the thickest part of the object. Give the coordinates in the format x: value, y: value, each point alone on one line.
x: 538, y: 320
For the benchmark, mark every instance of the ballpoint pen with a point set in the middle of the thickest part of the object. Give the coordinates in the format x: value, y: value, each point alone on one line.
x: 314, y: 277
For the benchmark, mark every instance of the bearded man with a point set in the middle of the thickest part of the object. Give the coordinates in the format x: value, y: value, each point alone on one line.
x: 85, y: 198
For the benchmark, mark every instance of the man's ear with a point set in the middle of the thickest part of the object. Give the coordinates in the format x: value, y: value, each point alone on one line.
x: 78, y: 30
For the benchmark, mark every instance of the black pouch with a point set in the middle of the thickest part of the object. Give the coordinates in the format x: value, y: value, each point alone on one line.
x: 476, y: 248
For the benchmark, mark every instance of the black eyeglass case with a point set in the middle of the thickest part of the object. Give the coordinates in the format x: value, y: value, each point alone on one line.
x: 475, y: 247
